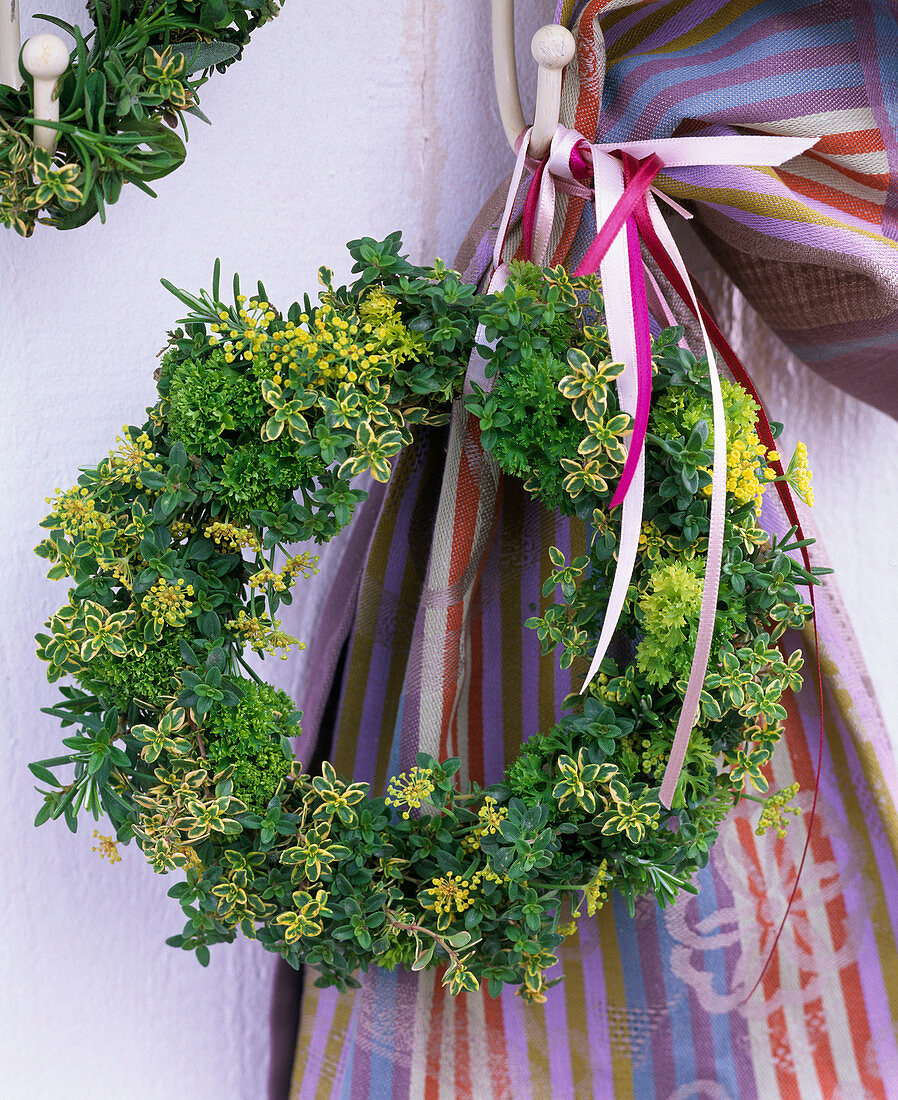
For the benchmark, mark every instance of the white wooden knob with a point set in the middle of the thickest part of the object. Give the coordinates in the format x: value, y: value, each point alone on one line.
x: 552, y: 47
x: 45, y: 56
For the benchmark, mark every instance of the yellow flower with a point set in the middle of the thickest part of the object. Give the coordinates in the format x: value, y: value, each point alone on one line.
x: 227, y: 536
x: 447, y: 895
x: 108, y: 848
x: 410, y: 789
x: 595, y: 891
x: 168, y: 603
x: 798, y: 475
x: 134, y: 455
x: 264, y: 634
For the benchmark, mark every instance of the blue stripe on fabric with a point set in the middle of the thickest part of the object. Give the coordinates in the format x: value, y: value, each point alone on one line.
x: 826, y: 78
x: 642, y: 1062
x: 350, y: 1044
x: 714, y: 963
x: 384, y: 1016
x: 670, y: 78
x: 677, y: 997
x: 886, y: 29
x: 829, y: 79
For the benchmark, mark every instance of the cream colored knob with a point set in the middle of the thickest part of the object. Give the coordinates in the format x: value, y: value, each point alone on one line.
x: 45, y: 56
x: 552, y: 47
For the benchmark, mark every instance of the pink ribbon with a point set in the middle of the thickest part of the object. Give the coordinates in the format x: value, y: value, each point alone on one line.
x: 619, y: 178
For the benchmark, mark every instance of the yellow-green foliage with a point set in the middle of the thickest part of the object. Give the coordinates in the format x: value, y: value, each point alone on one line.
x: 248, y: 737
x: 670, y: 612
x: 150, y: 677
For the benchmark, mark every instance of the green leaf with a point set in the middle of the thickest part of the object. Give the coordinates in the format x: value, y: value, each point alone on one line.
x: 44, y: 775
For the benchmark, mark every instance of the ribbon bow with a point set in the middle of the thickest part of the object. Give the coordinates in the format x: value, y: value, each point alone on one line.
x: 618, y: 178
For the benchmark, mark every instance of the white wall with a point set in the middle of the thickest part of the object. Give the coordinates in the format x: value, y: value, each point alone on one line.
x: 390, y: 123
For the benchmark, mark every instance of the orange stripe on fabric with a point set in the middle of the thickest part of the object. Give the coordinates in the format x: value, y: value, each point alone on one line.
x: 463, y: 1087
x: 851, y: 143
x: 476, y: 767
x: 852, y: 990
x: 777, y: 1029
x: 840, y: 200
x: 590, y: 99
x: 435, y: 1038
x: 495, y: 1041
x: 879, y: 181
x: 510, y: 605
x: 464, y: 525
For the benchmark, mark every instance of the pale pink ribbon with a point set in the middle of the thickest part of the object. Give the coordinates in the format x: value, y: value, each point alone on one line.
x: 620, y: 266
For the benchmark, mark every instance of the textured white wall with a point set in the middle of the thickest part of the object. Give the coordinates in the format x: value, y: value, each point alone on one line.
x: 389, y: 123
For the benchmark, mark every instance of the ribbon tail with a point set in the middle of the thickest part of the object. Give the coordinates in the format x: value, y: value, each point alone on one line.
x: 631, y: 527
x: 649, y: 212
x: 617, y: 287
x: 513, y: 189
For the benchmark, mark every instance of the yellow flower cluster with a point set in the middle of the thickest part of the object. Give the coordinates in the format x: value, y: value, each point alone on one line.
x: 745, y: 470
x: 449, y: 892
x: 799, y: 474
x: 304, y: 564
x: 180, y: 529
x: 264, y: 635
x: 409, y: 789
x: 134, y: 455
x: 168, y: 603
x: 250, y: 333
x: 227, y: 536
x: 343, y: 345
x: 596, y: 892
x: 108, y: 848
x: 744, y: 459
x: 76, y: 512
x: 774, y: 815
x: 491, y: 817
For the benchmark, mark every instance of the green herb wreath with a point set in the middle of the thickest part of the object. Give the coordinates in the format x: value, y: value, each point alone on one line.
x: 178, y: 547
x: 131, y: 81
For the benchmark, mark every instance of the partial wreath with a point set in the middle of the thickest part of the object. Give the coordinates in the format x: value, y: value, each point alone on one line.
x: 179, y: 547
x: 132, y: 80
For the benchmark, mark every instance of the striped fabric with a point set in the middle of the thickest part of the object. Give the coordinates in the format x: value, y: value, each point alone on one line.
x: 652, y: 1007
x: 812, y: 245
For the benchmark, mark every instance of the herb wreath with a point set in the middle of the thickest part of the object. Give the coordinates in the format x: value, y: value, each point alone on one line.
x: 178, y: 544
x: 131, y: 82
